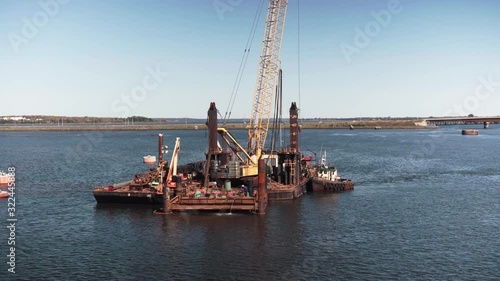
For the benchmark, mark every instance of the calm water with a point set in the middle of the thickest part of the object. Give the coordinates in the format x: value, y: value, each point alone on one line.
x: 426, y: 206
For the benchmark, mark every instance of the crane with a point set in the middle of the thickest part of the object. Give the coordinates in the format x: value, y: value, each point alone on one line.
x: 265, y: 86
x: 173, y: 163
x: 266, y: 76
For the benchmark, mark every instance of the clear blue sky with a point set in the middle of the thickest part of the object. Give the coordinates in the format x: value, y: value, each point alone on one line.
x: 90, y: 54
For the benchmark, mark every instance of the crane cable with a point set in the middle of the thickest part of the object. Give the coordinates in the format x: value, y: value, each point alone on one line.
x: 276, y: 129
x: 298, y: 47
x: 243, y: 63
x: 298, y: 67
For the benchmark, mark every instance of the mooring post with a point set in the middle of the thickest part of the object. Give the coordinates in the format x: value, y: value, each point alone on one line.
x: 262, y: 187
x: 294, y: 128
x: 160, y: 148
x: 166, y: 199
x: 213, y: 148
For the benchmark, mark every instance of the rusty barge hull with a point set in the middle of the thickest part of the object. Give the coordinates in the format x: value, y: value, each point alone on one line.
x: 275, y: 192
x: 139, y: 190
x: 178, y: 203
x: 215, y: 199
x: 319, y: 185
x: 184, y: 203
x: 279, y: 192
x: 128, y: 197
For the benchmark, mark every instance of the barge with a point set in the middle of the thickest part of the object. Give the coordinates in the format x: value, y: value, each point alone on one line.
x: 223, y: 181
x: 470, y: 132
x: 232, y: 177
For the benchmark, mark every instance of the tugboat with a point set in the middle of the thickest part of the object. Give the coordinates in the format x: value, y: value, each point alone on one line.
x: 326, y: 178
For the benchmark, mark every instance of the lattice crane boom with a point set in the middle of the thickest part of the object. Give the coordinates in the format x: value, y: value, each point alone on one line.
x: 266, y: 76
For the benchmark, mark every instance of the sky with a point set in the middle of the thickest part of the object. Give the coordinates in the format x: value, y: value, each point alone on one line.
x: 171, y: 58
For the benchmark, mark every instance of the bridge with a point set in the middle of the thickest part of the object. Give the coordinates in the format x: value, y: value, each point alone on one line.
x: 463, y: 120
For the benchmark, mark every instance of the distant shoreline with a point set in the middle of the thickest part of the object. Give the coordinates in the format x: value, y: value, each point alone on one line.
x: 389, y: 124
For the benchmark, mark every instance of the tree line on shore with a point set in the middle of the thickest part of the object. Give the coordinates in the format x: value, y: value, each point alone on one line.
x: 43, y: 119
